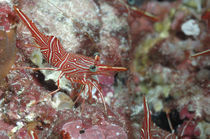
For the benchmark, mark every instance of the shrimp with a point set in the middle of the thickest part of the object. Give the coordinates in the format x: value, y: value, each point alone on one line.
x: 149, y: 130
x: 76, y: 68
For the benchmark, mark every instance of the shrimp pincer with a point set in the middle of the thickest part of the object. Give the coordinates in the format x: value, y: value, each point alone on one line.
x: 76, y: 68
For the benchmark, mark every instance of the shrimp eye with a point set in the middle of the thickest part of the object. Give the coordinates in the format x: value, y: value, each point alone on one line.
x: 93, y: 68
x: 96, y: 54
x: 131, y: 2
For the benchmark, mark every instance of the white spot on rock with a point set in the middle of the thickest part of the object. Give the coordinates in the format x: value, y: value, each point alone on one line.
x: 30, y: 117
x: 190, y: 27
x: 61, y: 101
x: 19, y: 126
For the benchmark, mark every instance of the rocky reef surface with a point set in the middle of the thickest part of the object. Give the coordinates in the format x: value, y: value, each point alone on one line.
x: 155, y: 40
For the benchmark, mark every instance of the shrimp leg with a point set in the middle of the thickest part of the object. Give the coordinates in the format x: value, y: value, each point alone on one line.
x: 53, y: 92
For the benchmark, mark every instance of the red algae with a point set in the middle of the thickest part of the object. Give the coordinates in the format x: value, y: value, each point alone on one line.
x: 93, y: 124
x: 206, y: 16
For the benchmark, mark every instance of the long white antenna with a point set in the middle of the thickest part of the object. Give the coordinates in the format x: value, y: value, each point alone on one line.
x: 60, y: 10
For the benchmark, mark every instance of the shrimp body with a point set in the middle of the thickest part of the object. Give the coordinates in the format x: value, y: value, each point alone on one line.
x: 76, y: 68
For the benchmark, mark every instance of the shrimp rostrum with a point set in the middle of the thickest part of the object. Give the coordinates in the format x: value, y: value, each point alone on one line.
x: 76, y: 68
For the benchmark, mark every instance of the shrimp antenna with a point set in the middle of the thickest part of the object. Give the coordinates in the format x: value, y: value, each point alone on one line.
x: 60, y: 10
x: 75, y: 23
x: 201, y: 53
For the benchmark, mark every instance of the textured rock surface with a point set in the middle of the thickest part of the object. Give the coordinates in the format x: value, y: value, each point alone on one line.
x: 157, y: 55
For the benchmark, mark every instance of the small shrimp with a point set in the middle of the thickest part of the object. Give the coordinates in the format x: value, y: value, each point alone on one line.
x: 149, y: 130
x: 76, y: 68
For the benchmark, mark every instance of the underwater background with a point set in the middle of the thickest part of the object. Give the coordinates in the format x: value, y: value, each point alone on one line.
x: 164, y: 45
